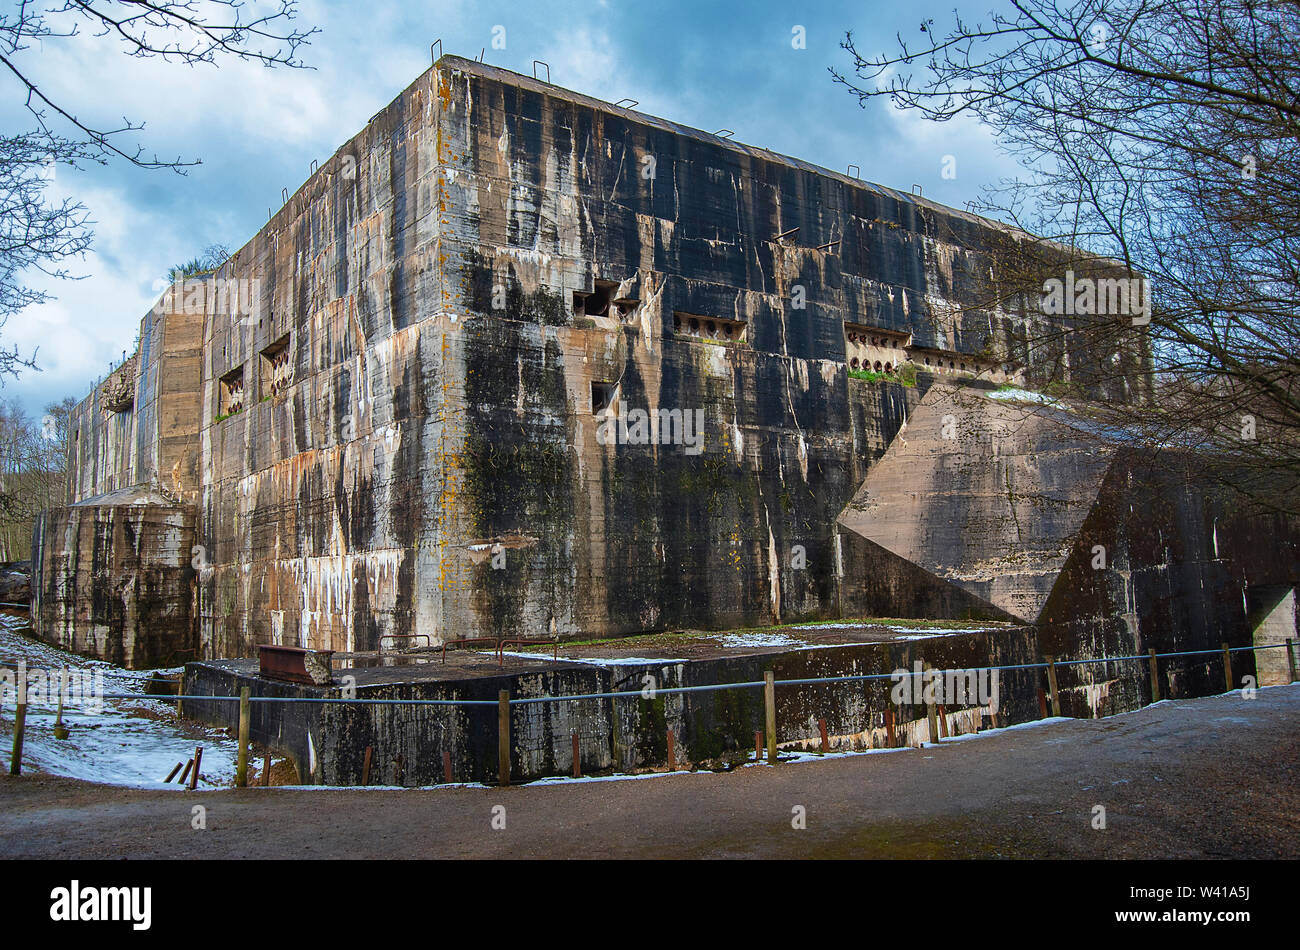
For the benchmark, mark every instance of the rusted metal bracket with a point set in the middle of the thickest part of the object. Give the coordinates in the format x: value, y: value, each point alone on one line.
x: 428, y: 641
x: 498, y: 646
x: 523, y: 641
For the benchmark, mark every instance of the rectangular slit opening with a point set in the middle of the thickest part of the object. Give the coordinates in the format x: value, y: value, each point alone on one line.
x: 277, y: 371
x: 709, y: 329
x: 232, y: 393
x: 604, y: 397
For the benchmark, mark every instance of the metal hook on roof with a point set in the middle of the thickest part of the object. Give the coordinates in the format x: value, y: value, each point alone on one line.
x: 481, y: 53
x: 916, y: 190
x: 437, y: 43
x: 725, y: 133
x: 855, y: 171
x: 284, y: 195
x: 630, y: 103
x: 314, y: 166
x: 538, y: 62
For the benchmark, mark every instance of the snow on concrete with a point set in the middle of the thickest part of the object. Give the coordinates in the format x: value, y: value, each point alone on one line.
x: 1024, y: 395
x: 758, y: 640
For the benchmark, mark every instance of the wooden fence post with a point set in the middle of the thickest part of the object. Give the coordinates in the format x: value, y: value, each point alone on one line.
x: 266, y: 772
x: 672, y: 751
x: 241, y: 758
x: 194, y: 775
x: 446, y: 766
x: 1290, y: 656
x: 826, y: 742
x: 1227, y: 669
x: 60, y: 730
x: 1051, y: 684
x: 889, y: 727
x: 503, y: 737
x: 365, y: 765
x: 20, y: 723
x: 769, y: 707
x: 1155, y: 676
x: 577, y: 758
x: 931, y: 715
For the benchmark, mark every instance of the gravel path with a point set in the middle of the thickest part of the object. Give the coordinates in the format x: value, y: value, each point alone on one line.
x: 1213, y: 777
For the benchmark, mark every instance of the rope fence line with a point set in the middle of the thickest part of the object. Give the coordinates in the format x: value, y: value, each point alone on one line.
x: 504, y: 702
x: 661, y: 690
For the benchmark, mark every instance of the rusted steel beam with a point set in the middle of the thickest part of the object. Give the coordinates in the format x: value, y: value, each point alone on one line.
x: 294, y: 664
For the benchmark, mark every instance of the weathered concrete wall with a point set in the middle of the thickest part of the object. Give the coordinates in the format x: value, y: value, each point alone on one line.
x: 983, y: 508
x: 1179, y: 557
x: 397, y: 430
x: 112, y: 570
x: 139, y: 426
x: 321, y: 494
x: 1272, y: 612
x: 113, y: 580
x: 553, y: 199
x: 984, y: 494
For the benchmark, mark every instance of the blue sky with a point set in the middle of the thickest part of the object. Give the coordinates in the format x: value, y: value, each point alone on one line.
x: 258, y: 130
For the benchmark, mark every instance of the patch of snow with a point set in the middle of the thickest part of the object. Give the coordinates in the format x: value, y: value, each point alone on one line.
x: 622, y: 660
x: 132, y: 742
x: 758, y: 640
x: 593, y: 660
x: 1024, y: 395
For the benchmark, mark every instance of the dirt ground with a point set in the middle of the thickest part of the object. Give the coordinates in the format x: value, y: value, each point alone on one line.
x: 1204, y: 778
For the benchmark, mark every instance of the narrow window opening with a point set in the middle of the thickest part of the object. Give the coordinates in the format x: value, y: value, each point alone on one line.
x: 596, y: 303
x: 232, y: 393
x: 603, y: 397
x: 277, y: 371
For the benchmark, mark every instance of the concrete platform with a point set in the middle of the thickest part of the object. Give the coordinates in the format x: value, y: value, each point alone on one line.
x: 712, y: 729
